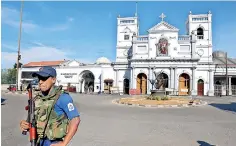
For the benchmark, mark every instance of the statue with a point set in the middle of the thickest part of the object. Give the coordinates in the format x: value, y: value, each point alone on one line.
x: 161, y: 81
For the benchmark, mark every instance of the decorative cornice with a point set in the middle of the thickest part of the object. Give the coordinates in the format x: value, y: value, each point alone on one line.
x: 164, y: 60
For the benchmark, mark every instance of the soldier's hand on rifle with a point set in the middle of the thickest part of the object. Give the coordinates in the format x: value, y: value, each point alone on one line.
x: 24, y: 125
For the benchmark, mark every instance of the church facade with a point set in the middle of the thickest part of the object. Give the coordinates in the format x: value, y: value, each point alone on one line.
x: 179, y: 61
x: 161, y: 60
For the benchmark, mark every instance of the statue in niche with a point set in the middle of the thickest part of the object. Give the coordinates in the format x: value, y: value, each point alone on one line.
x: 161, y: 81
x: 162, y: 47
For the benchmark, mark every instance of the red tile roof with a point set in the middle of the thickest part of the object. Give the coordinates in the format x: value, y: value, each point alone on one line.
x: 43, y: 63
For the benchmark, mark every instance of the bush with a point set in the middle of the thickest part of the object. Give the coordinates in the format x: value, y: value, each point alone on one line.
x: 157, y: 98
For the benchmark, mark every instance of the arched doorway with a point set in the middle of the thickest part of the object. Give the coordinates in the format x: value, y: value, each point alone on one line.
x: 87, y: 82
x: 142, y: 83
x: 184, y: 84
x: 126, y: 86
x: 200, y: 87
x: 161, y: 81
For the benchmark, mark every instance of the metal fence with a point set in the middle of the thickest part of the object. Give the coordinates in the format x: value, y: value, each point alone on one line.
x: 221, y: 90
x: 218, y: 90
x: 233, y: 87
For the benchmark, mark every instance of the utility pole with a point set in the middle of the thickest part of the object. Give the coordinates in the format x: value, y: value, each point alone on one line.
x: 227, y: 80
x: 19, y: 40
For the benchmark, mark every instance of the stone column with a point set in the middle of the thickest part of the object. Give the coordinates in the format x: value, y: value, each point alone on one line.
x: 102, y: 81
x: 211, y: 85
x: 149, y: 79
x: 133, y: 73
x: 194, y: 89
x: 172, y: 78
x: 131, y: 78
x: 175, y: 80
x: 230, y: 88
x: 117, y: 78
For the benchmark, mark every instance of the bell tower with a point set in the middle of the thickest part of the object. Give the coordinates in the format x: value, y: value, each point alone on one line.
x: 126, y: 28
x: 201, y: 26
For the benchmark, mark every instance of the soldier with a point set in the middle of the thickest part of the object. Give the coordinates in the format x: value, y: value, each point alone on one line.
x: 63, y: 121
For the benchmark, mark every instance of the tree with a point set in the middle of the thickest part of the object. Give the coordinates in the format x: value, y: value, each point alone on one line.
x: 4, y: 76
x: 8, y: 76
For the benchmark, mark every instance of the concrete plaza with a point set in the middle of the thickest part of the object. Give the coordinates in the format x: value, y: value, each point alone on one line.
x: 106, y: 124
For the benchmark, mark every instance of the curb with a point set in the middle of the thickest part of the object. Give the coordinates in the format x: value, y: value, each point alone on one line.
x: 16, y: 93
x: 201, y: 103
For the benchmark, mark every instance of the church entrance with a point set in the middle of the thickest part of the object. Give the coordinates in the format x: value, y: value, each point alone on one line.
x: 142, y: 83
x: 161, y: 81
x: 200, y: 87
x: 87, y: 82
x: 126, y: 86
x: 184, y: 84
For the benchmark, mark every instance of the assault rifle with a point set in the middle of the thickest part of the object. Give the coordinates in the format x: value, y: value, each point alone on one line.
x: 31, y: 117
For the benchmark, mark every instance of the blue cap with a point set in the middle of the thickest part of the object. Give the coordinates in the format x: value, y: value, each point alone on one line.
x: 46, y: 71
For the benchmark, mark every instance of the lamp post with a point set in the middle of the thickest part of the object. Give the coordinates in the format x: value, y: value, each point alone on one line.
x: 227, y: 80
x: 19, y: 39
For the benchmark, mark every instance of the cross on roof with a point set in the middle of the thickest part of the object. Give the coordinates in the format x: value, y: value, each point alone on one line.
x: 162, y: 16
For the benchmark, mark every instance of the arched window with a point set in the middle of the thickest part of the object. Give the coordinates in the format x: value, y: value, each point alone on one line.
x: 200, y: 33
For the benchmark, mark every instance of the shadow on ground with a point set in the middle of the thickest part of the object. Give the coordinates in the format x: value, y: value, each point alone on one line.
x: 203, y: 143
x: 2, y: 101
x: 227, y: 107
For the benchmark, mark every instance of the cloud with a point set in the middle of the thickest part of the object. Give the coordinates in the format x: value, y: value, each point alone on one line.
x: 62, y: 27
x: 39, y: 53
x: 11, y: 17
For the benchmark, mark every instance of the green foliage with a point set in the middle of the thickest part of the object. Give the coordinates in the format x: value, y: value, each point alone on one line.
x: 8, y: 76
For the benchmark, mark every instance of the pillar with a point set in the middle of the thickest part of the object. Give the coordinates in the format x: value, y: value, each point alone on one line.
x: 175, y: 80
x: 172, y: 78
x: 194, y: 89
x: 211, y: 85
x: 131, y: 78
x: 133, y: 73
x: 117, y: 78
x: 230, y: 88
x: 102, y: 81
x: 149, y: 80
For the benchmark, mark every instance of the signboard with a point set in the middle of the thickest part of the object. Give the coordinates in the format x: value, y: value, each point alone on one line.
x: 66, y: 77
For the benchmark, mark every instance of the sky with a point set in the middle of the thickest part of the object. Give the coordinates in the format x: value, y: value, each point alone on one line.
x: 85, y: 31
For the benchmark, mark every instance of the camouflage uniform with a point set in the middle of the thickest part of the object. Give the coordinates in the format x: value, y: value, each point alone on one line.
x: 57, y: 125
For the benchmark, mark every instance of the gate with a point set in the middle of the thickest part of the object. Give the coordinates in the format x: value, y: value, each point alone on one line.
x: 233, y: 87
x: 217, y: 90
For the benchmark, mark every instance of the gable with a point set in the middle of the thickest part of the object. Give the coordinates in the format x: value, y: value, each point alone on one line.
x: 127, y: 30
x: 73, y: 63
x: 162, y: 26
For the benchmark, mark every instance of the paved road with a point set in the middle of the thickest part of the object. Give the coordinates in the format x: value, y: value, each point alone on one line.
x: 106, y: 124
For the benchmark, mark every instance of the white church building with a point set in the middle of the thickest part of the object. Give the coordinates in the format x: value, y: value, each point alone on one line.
x: 180, y: 64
